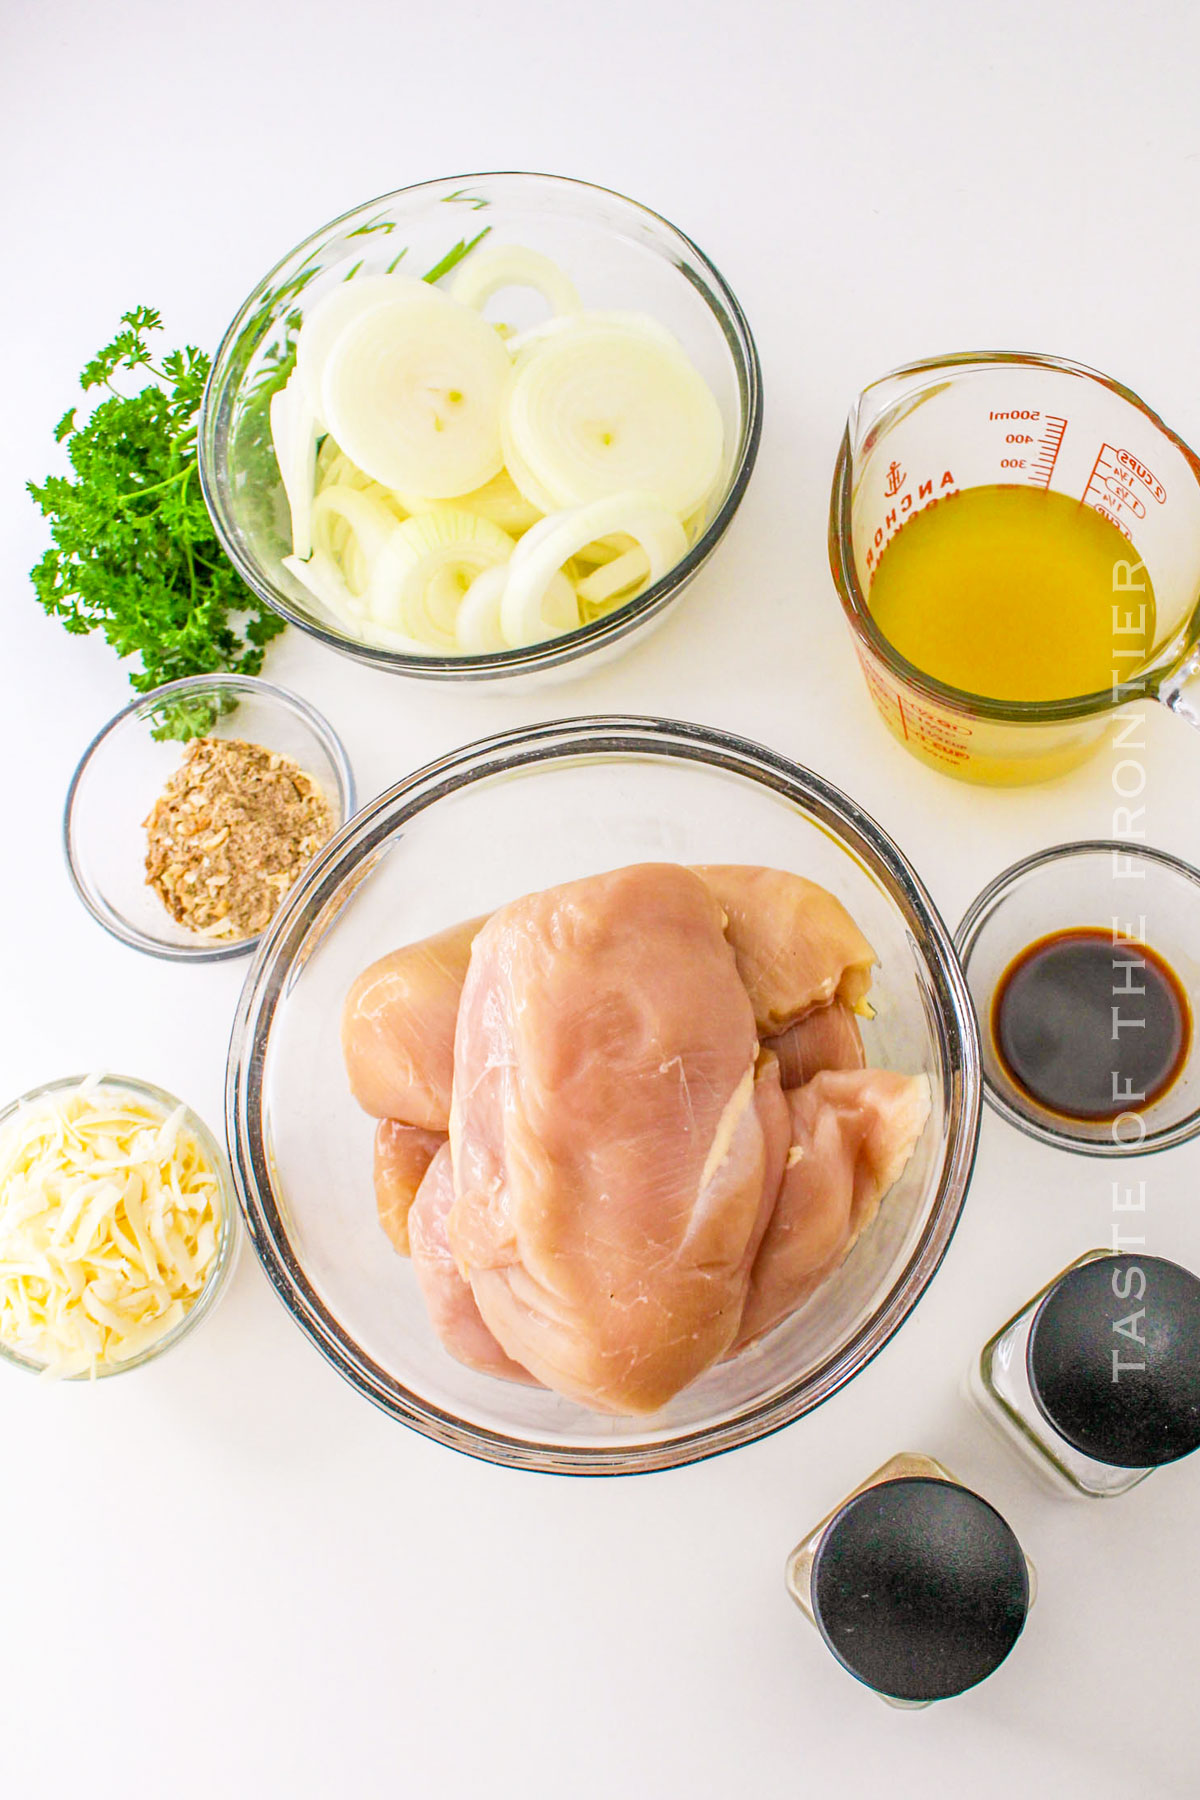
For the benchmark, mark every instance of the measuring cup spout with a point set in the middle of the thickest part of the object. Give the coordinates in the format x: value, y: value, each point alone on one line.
x: 1180, y: 689
x: 886, y: 402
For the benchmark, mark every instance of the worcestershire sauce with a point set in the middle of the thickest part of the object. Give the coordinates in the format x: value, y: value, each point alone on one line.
x: 1091, y: 1026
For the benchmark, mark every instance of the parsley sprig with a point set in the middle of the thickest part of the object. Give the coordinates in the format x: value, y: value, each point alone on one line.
x: 133, y: 553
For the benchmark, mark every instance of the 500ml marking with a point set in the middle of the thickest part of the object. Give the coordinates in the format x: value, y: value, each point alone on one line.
x: 1119, y: 486
x: 1031, y: 442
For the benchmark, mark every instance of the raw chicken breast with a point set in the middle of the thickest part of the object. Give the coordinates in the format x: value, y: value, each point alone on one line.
x: 796, y: 945
x: 607, y: 1135
x: 775, y: 1117
x: 825, y: 1038
x: 402, y: 1155
x: 449, y: 1301
x: 398, y: 1029
x: 853, y: 1131
x: 637, y: 1186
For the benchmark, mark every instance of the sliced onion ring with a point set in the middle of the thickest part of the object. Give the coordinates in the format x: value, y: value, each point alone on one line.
x: 507, y: 265
x: 323, y: 579
x: 501, y: 501
x: 333, y: 312
x: 602, y: 406
x: 544, y: 549
x: 294, y: 437
x: 413, y: 391
x: 477, y: 627
x: 613, y: 577
x: 427, y: 566
x: 351, y: 528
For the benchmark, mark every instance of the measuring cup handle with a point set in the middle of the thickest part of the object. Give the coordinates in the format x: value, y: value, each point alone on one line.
x: 1180, y: 690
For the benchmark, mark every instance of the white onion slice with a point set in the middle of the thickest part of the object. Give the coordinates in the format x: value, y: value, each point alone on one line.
x: 523, y: 341
x: 604, y: 549
x: 426, y: 567
x: 294, y: 437
x: 477, y: 628
x: 326, y: 583
x: 413, y: 390
x: 352, y: 528
x: 498, y: 266
x: 613, y: 577
x: 600, y: 407
x: 526, y: 483
x: 480, y: 622
x: 539, y: 611
x: 544, y: 549
x: 500, y: 500
x: 333, y: 313
x: 328, y: 456
x: 323, y: 579
x: 339, y: 471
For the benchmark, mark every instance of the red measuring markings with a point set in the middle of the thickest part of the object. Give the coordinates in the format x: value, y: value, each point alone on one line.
x: 1029, y: 454
x: 1140, y: 472
x: 1049, y: 443
x: 1110, y: 487
x: 935, y: 733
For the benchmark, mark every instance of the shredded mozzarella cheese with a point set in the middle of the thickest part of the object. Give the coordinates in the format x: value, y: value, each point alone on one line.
x: 110, y: 1224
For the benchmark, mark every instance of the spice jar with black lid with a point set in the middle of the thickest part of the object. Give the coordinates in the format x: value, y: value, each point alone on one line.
x: 1097, y: 1379
x: 917, y: 1585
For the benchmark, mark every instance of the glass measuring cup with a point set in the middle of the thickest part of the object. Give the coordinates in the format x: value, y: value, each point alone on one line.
x: 934, y: 428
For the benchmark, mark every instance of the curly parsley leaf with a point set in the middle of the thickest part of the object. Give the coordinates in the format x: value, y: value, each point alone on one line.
x: 133, y: 553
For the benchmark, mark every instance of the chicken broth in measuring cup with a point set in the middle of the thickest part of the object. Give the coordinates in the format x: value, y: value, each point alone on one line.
x: 1008, y: 592
x: 1016, y: 543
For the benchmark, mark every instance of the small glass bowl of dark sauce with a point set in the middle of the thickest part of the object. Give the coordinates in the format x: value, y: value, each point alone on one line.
x: 1084, y: 968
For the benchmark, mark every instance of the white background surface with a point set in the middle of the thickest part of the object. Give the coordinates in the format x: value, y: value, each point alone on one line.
x: 228, y: 1574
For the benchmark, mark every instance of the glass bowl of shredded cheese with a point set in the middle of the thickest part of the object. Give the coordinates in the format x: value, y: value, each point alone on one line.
x: 197, y: 807
x: 118, y: 1229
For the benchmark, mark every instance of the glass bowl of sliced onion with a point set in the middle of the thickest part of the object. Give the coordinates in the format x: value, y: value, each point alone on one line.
x: 553, y: 804
x: 481, y: 428
x: 118, y: 1226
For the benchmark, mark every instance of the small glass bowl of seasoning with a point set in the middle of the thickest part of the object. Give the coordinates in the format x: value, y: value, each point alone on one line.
x: 916, y: 1584
x: 194, y: 811
x: 1097, y: 1379
x: 1083, y: 964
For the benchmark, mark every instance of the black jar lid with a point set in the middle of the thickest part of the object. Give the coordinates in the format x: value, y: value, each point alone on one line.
x: 1114, y: 1360
x: 919, y: 1588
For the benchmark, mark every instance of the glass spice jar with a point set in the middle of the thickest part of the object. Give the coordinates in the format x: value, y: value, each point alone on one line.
x: 917, y: 1585
x: 1097, y: 1379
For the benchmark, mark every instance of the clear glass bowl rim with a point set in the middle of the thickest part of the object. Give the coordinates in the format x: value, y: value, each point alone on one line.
x: 977, y: 915
x: 121, y: 929
x: 553, y: 652
x: 228, y: 1243
x: 269, y: 974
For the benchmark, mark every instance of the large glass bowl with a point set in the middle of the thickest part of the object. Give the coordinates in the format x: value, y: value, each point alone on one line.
x: 621, y: 256
x: 503, y: 817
